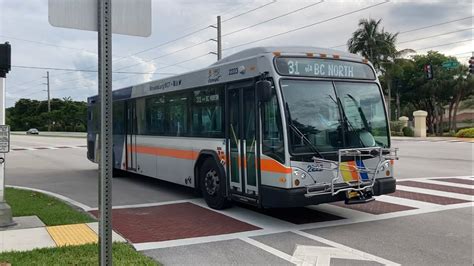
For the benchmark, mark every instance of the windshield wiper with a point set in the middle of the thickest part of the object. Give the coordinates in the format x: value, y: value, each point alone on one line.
x: 361, y: 113
x: 350, y: 127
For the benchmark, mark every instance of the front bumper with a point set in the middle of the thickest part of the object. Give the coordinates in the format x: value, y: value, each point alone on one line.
x: 273, y: 197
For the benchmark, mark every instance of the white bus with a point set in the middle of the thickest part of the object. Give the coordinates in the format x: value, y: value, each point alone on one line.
x: 268, y: 126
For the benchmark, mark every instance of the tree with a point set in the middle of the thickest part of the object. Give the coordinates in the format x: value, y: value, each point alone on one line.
x: 372, y: 42
x: 66, y: 115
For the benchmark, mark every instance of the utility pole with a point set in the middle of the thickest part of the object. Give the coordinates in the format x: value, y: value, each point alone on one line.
x: 49, y: 98
x: 219, y: 38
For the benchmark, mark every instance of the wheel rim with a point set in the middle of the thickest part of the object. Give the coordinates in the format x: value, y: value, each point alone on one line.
x: 211, y: 181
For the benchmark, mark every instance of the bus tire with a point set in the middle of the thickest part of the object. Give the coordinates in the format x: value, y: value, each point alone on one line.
x: 213, y: 185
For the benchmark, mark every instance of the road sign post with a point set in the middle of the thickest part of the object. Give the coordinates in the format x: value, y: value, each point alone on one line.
x: 105, y: 96
x: 133, y: 18
x: 5, y: 66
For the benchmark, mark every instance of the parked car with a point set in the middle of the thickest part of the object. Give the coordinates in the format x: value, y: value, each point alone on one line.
x: 32, y: 131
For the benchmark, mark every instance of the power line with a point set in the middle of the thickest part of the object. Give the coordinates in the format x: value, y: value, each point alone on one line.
x: 274, y: 18
x: 164, y: 55
x: 177, y: 63
x: 88, y: 70
x: 416, y: 29
x: 434, y: 25
x: 309, y: 25
x: 445, y: 44
x: 197, y: 31
x: 249, y: 11
x: 437, y: 35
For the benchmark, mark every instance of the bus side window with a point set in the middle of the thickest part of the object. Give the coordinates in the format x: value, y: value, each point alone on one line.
x: 272, y: 135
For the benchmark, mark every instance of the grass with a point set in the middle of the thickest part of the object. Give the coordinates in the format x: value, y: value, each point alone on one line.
x: 49, y: 209
x: 123, y: 254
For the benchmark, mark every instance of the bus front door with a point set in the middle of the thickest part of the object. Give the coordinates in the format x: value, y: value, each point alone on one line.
x: 242, y: 141
x: 131, y: 138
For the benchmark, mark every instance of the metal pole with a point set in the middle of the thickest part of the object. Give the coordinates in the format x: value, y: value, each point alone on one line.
x: 219, y: 39
x: 105, y: 164
x: 5, y: 209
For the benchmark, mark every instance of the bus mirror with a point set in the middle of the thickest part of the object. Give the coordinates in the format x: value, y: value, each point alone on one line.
x: 264, y: 90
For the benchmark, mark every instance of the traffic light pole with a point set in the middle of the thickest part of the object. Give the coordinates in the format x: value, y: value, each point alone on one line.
x: 5, y: 209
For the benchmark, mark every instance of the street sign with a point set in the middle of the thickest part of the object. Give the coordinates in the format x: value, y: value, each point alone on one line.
x: 450, y: 64
x: 128, y: 17
x: 4, y: 139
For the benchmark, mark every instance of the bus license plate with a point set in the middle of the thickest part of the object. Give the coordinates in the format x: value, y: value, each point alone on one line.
x: 352, y: 194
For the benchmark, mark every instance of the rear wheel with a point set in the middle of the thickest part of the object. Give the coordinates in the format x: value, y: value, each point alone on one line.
x: 213, y: 185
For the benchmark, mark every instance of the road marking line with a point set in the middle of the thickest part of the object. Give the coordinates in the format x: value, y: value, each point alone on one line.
x: 444, y: 183
x: 59, y: 196
x: 269, y: 249
x: 468, y: 177
x: 406, y: 202
x: 435, y: 192
x: 321, y: 256
x: 144, y: 205
x: 346, y: 248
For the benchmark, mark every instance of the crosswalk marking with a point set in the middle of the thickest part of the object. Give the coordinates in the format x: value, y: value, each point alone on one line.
x: 444, y: 183
x: 435, y: 192
x: 40, y: 148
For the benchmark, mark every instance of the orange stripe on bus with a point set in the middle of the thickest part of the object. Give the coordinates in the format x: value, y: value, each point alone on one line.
x: 167, y: 152
x: 270, y: 165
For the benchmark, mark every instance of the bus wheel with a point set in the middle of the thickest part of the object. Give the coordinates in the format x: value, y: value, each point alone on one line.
x: 213, y: 185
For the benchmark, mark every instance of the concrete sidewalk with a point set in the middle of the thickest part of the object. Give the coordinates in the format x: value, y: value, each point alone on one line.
x: 19, y: 238
x: 434, y: 139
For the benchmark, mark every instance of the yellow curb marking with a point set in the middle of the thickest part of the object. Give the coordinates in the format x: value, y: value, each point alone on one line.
x: 72, y: 234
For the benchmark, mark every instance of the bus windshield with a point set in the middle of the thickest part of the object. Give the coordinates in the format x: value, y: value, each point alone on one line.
x: 325, y: 116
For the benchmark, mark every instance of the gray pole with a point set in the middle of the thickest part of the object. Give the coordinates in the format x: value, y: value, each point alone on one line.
x: 219, y: 39
x: 105, y: 163
x: 5, y: 210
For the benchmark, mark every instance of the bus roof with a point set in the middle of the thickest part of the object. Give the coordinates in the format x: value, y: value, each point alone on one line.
x: 246, y: 54
x: 289, y: 50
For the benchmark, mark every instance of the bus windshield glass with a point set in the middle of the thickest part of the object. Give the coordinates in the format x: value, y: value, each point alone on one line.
x: 325, y: 116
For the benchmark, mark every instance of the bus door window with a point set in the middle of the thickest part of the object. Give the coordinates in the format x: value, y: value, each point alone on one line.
x: 249, y: 138
x: 272, y: 130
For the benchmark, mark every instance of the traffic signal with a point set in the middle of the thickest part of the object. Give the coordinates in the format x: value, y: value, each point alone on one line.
x: 471, y: 65
x: 5, y: 59
x: 429, y: 71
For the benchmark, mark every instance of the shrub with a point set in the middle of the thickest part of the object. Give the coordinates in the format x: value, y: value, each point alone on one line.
x: 397, y: 134
x: 408, y: 132
x: 396, y: 126
x: 466, y: 133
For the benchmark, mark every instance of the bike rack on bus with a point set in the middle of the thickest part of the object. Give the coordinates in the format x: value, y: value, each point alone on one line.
x: 338, y: 184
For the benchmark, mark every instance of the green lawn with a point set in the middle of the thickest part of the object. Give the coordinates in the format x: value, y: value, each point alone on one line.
x: 49, y: 209
x: 123, y: 254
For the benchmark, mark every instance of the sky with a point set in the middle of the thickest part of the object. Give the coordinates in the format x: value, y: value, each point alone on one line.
x: 35, y: 43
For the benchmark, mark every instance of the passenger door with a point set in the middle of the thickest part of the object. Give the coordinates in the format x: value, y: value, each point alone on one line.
x: 131, y: 136
x: 242, y: 140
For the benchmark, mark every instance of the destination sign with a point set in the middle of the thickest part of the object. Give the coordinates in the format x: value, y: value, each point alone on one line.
x: 324, y: 68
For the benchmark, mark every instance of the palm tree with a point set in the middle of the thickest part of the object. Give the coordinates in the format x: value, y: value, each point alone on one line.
x: 378, y: 46
x: 373, y: 42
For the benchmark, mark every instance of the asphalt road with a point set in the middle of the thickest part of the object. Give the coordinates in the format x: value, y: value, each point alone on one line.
x: 421, y: 234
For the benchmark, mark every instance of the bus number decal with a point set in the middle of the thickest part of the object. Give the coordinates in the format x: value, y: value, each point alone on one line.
x: 233, y: 71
